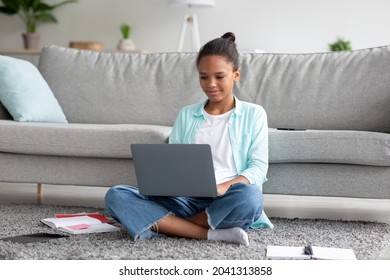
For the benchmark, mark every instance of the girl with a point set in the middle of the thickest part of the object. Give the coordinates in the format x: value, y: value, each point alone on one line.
x: 238, y: 135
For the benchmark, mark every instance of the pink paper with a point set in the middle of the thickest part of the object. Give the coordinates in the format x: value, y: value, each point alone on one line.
x: 78, y: 227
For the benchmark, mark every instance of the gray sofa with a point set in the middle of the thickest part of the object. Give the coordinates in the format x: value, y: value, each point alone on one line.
x: 114, y: 99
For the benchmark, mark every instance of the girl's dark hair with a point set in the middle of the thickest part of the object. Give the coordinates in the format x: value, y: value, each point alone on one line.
x: 224, y: 46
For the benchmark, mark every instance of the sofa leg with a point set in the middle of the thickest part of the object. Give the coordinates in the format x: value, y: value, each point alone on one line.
x: 40, y: 193
x: 40, y: 188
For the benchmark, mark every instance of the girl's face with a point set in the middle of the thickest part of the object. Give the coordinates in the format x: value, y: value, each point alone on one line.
x: 217, y: 77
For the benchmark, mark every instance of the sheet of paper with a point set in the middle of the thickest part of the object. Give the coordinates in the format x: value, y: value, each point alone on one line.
x: 322, y: 253
x: 286, y: 252
x: 80, y: 226
x: 102, y: 227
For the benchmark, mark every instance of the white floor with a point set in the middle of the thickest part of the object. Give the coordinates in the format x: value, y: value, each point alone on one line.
x: 376, y: 210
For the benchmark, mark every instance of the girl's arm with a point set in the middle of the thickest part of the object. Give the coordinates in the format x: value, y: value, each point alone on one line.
x: 176, y: 134
x: 256, y: 165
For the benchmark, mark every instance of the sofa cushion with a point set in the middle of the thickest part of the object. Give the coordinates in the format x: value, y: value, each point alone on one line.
x: 102, y: 88
x: 331, y: 90
x: 77, y: 140
x: 320, y: 146
x: 25, y: 93
x: 347, y: 90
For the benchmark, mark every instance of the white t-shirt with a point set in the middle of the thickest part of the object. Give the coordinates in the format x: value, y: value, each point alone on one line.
x: 215, y: 132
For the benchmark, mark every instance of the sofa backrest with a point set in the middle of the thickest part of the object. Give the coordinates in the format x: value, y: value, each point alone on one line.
x: 335, y: 90
x: 102, y: 87
x: 340, y: 90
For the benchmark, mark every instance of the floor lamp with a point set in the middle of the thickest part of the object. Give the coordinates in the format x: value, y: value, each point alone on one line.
x: 190, y: 21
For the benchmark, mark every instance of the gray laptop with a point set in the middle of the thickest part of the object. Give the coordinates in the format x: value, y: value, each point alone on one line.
x: 174, y: 169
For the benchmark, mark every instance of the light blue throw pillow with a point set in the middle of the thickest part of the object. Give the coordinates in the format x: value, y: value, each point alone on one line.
x: 25, y: 93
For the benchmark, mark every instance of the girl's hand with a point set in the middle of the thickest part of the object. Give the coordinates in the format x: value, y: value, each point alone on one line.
x: 222, y: 188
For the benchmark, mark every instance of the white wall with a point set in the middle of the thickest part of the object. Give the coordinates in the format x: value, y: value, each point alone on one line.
x: 271, y: 25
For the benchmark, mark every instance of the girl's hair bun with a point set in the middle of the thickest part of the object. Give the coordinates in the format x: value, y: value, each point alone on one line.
x: 229, y: 36
x: 223, y: 46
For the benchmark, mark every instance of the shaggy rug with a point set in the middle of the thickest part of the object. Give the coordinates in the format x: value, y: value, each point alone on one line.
x: 367, y: 239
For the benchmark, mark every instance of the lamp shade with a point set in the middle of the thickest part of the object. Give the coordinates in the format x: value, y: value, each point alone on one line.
x: 191, y: 3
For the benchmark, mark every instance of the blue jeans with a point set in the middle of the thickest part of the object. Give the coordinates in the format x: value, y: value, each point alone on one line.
x: 240, y: 206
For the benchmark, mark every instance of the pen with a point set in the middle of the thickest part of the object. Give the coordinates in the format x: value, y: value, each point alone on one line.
x: 308, y: 250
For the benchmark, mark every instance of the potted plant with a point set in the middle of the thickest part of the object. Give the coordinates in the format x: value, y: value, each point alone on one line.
x: 126, y: 43
x: 32, y: 12
x: 340, y: 45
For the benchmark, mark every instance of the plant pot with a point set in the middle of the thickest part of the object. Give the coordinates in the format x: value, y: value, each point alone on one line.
x: 30, y: 40
x: 126, y: 45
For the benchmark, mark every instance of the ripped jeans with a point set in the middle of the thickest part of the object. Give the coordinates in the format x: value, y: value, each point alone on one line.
x: 240, y: 206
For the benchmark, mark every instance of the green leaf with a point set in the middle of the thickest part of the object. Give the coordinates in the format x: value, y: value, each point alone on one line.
x: 45, y: 17
x: 125, y: 30
x: 25, y: 4
x: 44, y: 7
x: 32, y: 11
x: 8, y: 11
x: 63, y: 3
x: 35, y: 4
x: 340, y: 45
x: 11, y: 5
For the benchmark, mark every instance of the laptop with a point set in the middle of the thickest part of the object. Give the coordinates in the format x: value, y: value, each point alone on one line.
x: 174, y: 169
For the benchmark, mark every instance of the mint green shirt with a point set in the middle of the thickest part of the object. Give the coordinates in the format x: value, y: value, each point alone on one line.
x: 248, y: 131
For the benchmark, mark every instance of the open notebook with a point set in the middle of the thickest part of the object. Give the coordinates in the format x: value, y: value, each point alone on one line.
x: 309, y: 252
